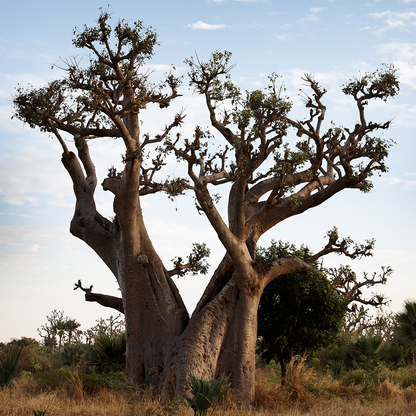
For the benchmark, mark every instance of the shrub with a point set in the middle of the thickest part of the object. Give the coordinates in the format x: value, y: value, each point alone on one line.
x: 74, y: 354
x: 91, y: 383
x: 108, y: 353
x: 9, y: 359
x: 30, y: 361
x: 206, y: 393
x: 405, y: 376
x: 52, y: 380
x: 358, y: 377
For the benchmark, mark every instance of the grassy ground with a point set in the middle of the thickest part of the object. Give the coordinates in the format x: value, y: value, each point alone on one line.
x: 379, y: 393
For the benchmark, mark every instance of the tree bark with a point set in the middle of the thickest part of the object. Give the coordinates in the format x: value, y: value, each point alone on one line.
x: 220, y: 338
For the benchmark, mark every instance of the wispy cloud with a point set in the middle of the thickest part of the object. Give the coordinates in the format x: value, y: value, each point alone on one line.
x: 403, y: 183
x: 313, y: 16
x: 13, y: 214
x: 403, y: 55
x: 395, y: 20
x: 284, y: 37
x: 200, y: 25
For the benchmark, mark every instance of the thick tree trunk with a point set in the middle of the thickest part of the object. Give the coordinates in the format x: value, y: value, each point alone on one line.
x: 154, y: 312
x: 154, y: 321
x: 221, y: 337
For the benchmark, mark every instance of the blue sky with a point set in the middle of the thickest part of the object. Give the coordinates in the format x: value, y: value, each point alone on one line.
x: 334, y: 40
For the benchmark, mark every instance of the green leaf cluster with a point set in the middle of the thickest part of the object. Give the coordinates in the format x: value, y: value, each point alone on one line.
x: 9, y: 359
x: 405, y: 332
x: 382, y: 83
x: 108, y: 353
x: 206, y: 393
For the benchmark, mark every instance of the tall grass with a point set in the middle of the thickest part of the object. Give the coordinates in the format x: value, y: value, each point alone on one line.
x: 305, y: 393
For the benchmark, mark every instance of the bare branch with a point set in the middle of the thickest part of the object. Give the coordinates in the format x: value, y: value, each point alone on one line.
x: 104, y: 300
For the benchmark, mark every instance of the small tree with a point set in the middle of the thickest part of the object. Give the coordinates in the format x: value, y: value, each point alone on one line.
x: 112, y: 326
x: 71, y: 325
x: 57, y: 325
x: 298, y: 313
x: 49, y: 330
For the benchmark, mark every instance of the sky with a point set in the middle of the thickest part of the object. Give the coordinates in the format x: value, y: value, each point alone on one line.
x: 332, y: 39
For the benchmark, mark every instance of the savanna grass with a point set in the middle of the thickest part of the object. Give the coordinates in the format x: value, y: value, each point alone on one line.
x: 306, y: 393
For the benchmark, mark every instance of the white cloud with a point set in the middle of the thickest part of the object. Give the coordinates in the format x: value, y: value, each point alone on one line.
x: 283, y: 37
x: 403, y: 183
x: 205, y: 26
x: 403, y: 56
x: 313, y: 16
x: 395, y: 20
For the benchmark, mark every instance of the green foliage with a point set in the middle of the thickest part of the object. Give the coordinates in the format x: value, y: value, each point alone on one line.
x: 206, y: 394
x: 393, y: 354
x: 23, y: 342
x: 358, y: 377
x: 39, y: 412
x: 92, y: 383
x: 173, y: 407
x: 382, y: 83
x: 349, y: 353
x: 34, y: 104
x: 51, y: 380
x: 9, y: 359
x: 78, y: 100
x: 73, y: 354
x: 405, y: 332
x: 140, y: 40
x: 297, y: 312
x: 108, y: 353
x: 196, y: 261
x: 405, y: 376
x: 32, y: 362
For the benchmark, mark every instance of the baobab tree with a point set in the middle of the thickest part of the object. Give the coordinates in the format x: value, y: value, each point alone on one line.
x: 267, y: 181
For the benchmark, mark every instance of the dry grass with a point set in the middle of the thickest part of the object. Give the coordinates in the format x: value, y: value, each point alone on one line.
x: 305, y: 395
x: 75, y: 386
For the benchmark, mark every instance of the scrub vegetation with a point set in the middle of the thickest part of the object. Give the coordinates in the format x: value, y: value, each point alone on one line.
x: 381, y: 390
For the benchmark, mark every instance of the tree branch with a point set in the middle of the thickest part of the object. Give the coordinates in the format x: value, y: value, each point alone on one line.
x: 104, y: 300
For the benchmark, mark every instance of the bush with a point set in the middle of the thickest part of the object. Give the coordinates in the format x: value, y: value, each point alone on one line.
x: 91, y: 383
x: 74, y: 354
x: 405, y: 377
x: 9, y: 359
x: 32, y: 362
x: 50, y: 381
x: 108, y: 354
x: 359, y: 377
x: 352, y: 353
